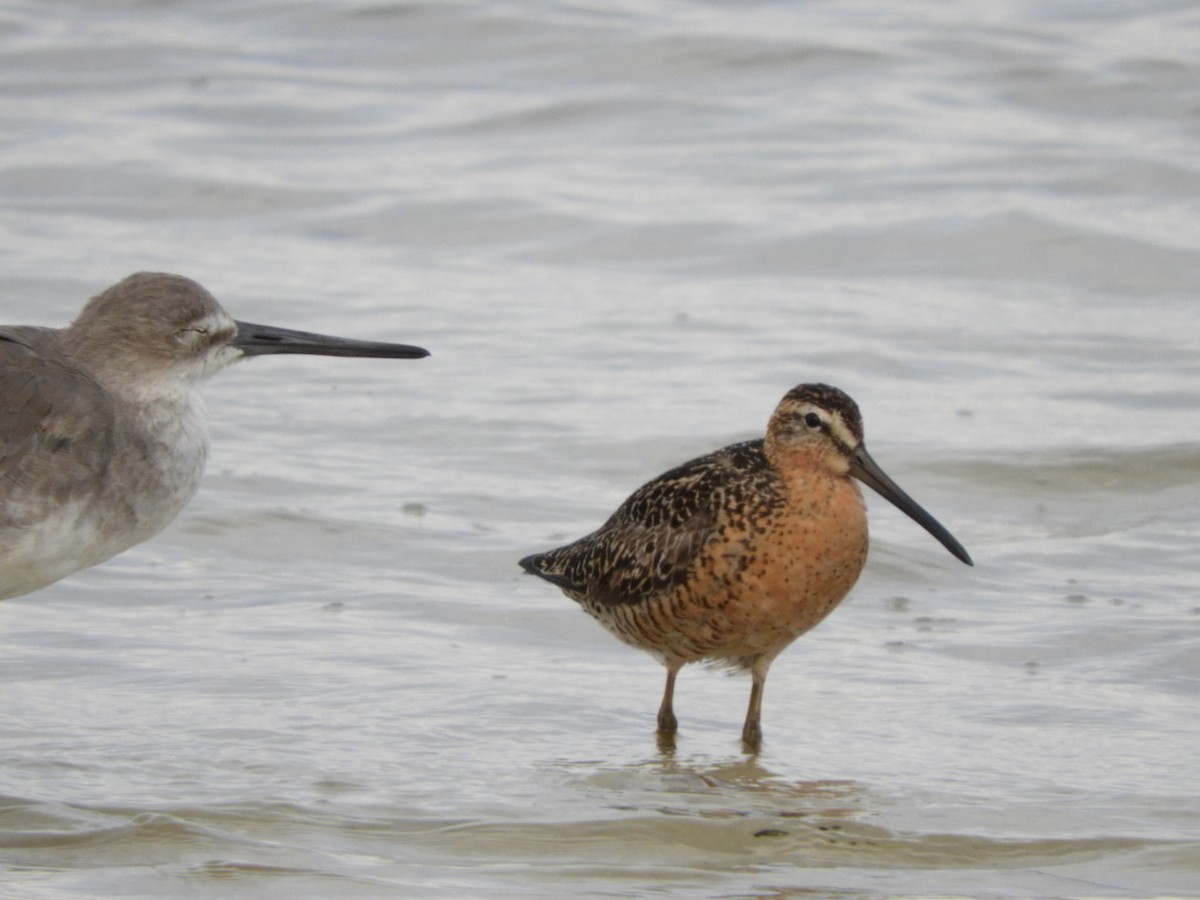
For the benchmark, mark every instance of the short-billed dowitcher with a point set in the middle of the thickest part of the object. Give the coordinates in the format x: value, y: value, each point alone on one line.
x: 102, y: 434
x: 732, y: 556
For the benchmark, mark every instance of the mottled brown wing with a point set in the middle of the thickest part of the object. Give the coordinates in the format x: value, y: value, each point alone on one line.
x: 55, y: 431
x: 651, y: 541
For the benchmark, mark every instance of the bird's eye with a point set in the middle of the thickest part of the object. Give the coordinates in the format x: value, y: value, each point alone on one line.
x: 193, y: 337
x: 812, y: 420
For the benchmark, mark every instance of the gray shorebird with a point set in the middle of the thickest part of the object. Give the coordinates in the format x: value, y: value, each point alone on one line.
x: 732, y: 556
x: 102, y: 434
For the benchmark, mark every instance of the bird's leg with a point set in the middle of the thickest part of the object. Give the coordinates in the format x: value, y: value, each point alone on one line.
x: 666, y: 713
x: 752, y: 730
x: 667, y: 723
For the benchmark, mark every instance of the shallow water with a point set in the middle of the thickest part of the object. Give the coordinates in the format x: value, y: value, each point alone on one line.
x: 624, y: 230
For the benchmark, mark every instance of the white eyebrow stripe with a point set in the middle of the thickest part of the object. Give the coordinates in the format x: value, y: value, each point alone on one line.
x: 840, y: 431
x: 213, y: 323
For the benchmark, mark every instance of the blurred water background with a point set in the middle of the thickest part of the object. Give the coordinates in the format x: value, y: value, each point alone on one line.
x: 624, y: 229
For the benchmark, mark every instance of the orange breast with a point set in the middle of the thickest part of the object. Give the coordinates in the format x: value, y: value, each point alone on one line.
x: 761, y: 584
x: 809, y: 558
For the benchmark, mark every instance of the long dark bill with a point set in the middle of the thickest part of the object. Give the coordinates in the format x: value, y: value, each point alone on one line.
x: 866, y: 470
x: 259, y: 340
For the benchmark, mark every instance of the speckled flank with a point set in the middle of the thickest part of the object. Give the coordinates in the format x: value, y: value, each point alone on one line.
x: 732, y: 556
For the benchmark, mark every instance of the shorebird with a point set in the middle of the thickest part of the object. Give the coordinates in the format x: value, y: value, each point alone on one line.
x: 732, y: 556
x: 102, y: 433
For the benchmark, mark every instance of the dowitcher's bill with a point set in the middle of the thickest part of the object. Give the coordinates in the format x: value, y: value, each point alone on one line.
x: 102, y: 436
x: 732, y: 556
